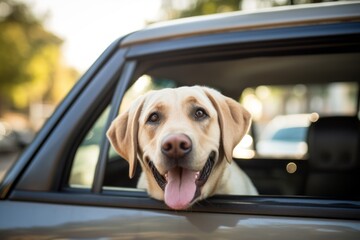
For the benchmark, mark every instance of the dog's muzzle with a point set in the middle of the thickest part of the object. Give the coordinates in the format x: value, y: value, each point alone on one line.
x: 182, y: 186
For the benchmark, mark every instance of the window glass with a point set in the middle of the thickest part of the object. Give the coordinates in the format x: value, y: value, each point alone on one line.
x: 272, y: 154
x: 86, y: 156
x: 282, y: 115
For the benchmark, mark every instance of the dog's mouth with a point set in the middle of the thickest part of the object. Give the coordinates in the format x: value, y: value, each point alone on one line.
x: 182, y: 186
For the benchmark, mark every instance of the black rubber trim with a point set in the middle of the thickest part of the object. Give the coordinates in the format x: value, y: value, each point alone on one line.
x: 122, y: 86
x: 244, y: 205
x: 245, y: 39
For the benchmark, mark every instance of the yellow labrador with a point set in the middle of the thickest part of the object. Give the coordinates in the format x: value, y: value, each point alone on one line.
x: 183, y: 139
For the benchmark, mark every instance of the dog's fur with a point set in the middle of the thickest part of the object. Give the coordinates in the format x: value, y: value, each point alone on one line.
x: 201, y: 124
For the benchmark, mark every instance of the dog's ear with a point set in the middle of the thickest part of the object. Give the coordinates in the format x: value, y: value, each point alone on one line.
x: 234, y: 120
x: 123, y: 132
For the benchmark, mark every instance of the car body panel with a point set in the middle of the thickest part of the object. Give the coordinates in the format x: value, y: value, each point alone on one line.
x: 244, y: 37
x: 37, y: 220
x: 240, y: 21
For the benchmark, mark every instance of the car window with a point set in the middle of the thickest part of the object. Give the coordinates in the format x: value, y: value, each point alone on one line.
x: 86, y: 156
x: 272, y: 153
x: 292, y: 134
x: 283, y: 114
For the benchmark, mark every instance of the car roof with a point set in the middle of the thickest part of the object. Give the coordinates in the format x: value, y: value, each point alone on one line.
x: 246, y: 20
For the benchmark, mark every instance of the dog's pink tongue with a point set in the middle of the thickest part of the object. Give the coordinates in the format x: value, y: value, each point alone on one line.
x: 180, y: 188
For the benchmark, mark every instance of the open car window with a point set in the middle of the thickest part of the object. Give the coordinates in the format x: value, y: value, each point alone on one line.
x: 282, y: 115
x: 285, y: 95
x: 87, y: 154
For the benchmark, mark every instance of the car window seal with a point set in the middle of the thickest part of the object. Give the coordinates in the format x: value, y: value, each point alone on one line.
x: 304, y: 207
x: 124, y: 81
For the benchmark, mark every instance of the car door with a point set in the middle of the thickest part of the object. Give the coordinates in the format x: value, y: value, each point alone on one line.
x: 50, y: 194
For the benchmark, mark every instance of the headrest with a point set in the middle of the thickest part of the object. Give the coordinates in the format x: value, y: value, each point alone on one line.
x: 333, y: 143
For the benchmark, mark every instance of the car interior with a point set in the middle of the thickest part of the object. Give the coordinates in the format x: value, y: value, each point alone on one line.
x: 329, y: 166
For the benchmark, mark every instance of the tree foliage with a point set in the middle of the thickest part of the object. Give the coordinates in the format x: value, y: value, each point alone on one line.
x: 30, y: 57
x: 204, y: 7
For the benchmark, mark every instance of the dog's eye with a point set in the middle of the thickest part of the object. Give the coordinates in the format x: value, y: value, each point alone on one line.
x: 153, y: 118
x: 200, y: 114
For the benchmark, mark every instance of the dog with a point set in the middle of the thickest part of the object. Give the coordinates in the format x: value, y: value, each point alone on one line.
x: 183, y: 138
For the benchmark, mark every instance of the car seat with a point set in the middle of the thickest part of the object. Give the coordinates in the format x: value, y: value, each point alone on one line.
x: 333, y: 148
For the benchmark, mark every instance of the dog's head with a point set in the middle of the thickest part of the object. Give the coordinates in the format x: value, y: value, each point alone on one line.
x: 181, y: 137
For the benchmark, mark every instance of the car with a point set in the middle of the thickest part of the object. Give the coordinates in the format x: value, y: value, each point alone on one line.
x: 11, y: 143
x: 285, y: 136
x: 69, y: 183
x: 8, y: 141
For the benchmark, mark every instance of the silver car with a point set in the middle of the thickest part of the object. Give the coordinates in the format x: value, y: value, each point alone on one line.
x: 69, y: 183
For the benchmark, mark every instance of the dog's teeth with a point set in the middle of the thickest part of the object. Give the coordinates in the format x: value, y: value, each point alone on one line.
x: 197, y: 175
x: 166, y: 176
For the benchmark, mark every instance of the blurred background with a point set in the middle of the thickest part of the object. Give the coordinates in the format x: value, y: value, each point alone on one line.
x: 46, y: 45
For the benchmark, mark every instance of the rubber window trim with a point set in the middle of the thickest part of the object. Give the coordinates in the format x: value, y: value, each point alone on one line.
x: 122, y: 85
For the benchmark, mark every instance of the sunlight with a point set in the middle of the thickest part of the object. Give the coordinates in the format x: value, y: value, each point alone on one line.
x: 253, y: 105
x: 242, y: 150
x: 142, y: 84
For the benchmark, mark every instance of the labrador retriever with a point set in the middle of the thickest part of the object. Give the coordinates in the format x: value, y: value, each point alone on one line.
x: 183, y: 139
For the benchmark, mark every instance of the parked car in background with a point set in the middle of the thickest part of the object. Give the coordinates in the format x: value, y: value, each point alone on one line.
x: 12, y: 142
x: 69, y: 183
x: 8, y: 141
x: 286, y: 136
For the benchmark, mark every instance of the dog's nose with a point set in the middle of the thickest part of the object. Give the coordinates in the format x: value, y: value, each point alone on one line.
x: 176, y: 146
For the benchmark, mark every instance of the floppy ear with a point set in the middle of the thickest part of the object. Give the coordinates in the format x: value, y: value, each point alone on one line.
x: 123, y: 132
x: 234, y: 120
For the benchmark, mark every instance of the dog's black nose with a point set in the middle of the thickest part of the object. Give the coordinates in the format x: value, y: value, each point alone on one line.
x: 176, y: 146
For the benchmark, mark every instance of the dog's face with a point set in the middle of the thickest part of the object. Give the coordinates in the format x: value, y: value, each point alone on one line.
x: 181, y: 137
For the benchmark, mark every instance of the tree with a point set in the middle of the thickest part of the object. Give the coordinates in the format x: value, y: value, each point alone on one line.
x: 172, y: 10
x: 30, y: 57
x: 204, y: 7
